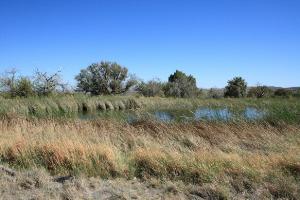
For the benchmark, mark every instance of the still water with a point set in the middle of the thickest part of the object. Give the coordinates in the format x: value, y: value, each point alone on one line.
x: 166, y: 116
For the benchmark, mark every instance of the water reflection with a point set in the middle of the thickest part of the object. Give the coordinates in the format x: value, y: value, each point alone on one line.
x: 167, y: 116
x: 213, y: 114
x: 253, y: 113
x: 164, y: 116
x: 205, y: 113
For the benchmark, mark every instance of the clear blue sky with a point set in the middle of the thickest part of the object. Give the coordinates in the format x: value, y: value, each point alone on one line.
x: 213, y: 40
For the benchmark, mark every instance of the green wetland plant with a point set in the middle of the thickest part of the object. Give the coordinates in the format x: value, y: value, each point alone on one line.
x: 275, y: 110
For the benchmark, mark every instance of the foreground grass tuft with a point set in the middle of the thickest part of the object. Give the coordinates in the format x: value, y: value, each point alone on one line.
x: 240, y: 158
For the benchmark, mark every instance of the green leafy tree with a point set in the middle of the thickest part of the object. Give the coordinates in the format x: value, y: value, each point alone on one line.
x: 181, y: 85
x: 236, y: 88
x: 104, y: 78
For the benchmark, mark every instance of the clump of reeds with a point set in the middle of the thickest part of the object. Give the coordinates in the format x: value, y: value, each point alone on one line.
x: 64, y: 106
x: 276, y: 111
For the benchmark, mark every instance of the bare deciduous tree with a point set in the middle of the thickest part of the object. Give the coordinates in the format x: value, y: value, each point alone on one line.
x: 45, y: 83
x: 8, y: 81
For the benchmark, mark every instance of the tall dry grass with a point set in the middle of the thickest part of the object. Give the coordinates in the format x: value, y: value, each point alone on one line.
x: 195, y: 153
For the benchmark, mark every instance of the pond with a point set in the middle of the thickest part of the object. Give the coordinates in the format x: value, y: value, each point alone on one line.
x: 205, y: 113
x: 167, y: 116
x: 213, y: 114
x: 254, y: 113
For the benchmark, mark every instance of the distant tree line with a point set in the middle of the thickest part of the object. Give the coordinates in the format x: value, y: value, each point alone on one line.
x: 41, y: 84
x: 110, y: 78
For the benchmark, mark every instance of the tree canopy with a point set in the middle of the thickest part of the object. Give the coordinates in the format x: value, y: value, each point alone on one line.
x: 181, y: 85
x: 104, y: 78
x: 237, y: 87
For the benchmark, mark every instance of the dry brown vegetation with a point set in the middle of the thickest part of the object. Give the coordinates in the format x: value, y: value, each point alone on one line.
x: 241, y: 160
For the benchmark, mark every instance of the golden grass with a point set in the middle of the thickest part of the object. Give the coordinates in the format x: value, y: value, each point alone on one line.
x: 197, y: 153
x: 244, y: 144
x: 237, y: 155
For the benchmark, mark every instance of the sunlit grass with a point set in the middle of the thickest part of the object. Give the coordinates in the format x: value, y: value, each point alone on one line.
x: 237, y: 154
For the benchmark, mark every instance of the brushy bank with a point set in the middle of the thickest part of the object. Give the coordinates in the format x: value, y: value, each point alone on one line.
x: 239, y: 159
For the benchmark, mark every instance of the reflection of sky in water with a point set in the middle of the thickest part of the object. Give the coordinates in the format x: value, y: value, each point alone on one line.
x: 253, y: 113
x: 202, y: 113
x: 131, y: 118
x: 211, y: 114
x: 163, y: 116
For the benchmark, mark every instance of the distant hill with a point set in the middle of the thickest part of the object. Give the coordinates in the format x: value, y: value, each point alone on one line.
x: 271, y: 87
x: 288, y: 88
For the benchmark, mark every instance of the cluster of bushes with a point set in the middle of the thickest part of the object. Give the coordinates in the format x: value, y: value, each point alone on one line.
x: 260, y: 92
x: 41, y: 84
x: 185, y: 86
x: 110, y: 78
x: 264, y: 91
x: 179, y: 85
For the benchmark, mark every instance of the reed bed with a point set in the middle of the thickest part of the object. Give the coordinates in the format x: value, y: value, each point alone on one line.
x: 67, y: 106
x: 278, y: 110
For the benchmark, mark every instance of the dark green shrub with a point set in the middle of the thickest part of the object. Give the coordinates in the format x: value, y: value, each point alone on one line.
x: 181, y: 85
x: 24, y: 88
x: 236, y: 88
x: 283, y: 92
